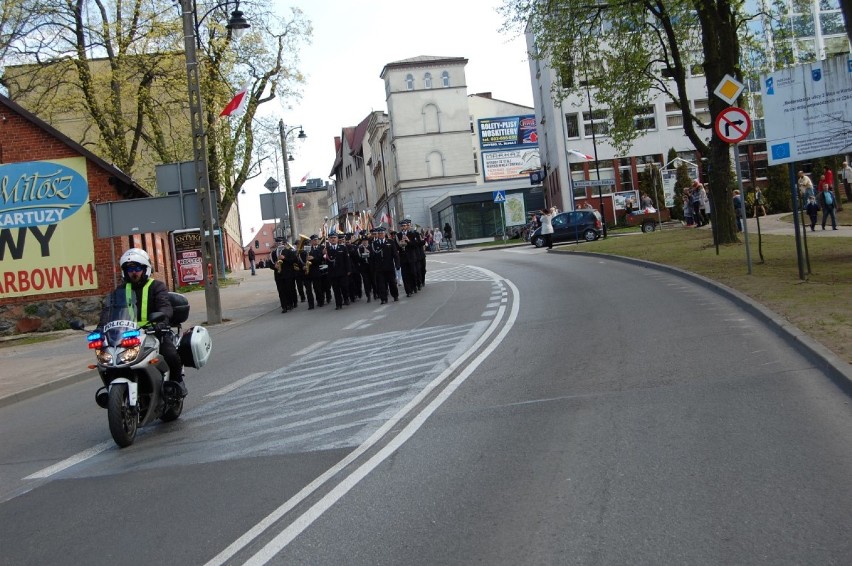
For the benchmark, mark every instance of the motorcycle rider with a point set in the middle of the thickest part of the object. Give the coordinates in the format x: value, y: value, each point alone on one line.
x: 151, y: 296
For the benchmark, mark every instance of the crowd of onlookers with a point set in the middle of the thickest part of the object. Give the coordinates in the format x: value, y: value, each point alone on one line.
x: 696, y: 205
x: 822, y: 197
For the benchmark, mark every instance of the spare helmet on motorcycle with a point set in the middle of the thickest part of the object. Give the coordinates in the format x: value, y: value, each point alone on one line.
x: 136, y: 255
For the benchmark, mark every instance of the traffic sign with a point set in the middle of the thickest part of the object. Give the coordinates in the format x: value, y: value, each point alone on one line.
x: 729, y: 89
x: 733, y: 125
x: 499, y: 196
x: 594, y: 183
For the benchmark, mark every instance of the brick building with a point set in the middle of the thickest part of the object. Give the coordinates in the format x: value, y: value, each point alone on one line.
x: 52, y: 265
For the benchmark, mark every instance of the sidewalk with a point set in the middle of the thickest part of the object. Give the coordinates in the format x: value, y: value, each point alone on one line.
x: 31, y: 369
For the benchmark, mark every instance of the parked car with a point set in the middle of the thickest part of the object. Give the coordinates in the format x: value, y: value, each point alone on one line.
x: 572, y: 226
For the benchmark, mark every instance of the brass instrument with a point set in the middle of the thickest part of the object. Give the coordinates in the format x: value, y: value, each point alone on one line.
x: 302, y: 241
x: 403, y: 241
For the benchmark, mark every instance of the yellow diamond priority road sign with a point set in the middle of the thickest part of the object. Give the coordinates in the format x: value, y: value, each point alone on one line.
x: 729, y: 89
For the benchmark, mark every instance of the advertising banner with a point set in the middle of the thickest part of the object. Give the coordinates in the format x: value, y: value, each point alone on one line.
x: 510, y: 164
x: 807, y: 109
x: 188, y: 258
x: 46, y: 241
x: 508, y: 131
x: 514, y: 209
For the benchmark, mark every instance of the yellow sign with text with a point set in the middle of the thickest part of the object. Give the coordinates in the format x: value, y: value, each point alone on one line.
x: 46, y: 240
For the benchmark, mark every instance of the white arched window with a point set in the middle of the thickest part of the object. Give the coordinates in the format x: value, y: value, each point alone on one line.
x: 445, y: 79
x: 427, y: 80
x: 435, y: 164
x: 431, y: 119
x: 409, y: 82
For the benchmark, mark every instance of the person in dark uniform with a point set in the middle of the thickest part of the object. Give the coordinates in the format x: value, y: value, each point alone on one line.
x: 407, y: 256
x: 285, y: 277
x: 384, y: 257
x: 362, y: 267
x: 303, y: 282
x: 313, y: 268
x: 339, y: 268
x: 419, y: 255
x: 353, y: 286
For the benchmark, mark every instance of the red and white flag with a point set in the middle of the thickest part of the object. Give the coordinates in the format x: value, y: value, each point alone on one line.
x: 305, y: 178
x: 581, y: 155
x: 237, y: 105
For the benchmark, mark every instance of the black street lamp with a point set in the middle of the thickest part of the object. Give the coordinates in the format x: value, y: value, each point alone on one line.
x: 208, y: 205
x: 284, y: 132
x: 594, y: 141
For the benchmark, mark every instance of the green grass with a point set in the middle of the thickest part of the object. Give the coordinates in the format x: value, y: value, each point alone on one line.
x: 818, y: 305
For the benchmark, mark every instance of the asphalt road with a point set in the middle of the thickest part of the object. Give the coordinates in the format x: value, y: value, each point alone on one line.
x: 525, y: 408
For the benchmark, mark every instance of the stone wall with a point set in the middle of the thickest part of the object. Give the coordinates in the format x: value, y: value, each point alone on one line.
x: 46, y: 316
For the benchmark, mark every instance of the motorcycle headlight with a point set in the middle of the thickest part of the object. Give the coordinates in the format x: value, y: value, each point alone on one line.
x: 103, y: 356
x: 128, y: 355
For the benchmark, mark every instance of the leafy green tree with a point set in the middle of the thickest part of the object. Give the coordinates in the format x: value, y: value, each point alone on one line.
x: 118, y: 70
x: 651, y: 47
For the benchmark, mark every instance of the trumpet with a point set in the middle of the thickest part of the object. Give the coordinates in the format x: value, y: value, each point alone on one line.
x: 403, y: 241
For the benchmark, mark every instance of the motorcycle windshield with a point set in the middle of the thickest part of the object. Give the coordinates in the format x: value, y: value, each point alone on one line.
x: 122, y: 315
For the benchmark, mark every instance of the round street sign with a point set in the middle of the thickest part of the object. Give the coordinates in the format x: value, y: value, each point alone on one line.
x: 733, y: 125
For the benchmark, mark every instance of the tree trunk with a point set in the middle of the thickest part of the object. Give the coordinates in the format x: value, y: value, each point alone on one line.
x: 721, y: 57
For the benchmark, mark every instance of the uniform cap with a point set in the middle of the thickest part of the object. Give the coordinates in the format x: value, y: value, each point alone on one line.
x: 314, y: 237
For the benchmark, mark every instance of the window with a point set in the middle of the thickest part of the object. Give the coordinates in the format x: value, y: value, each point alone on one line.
x: 674, y: 119
x: 431, y: 119
x: 445, y: 79
x: 645, y: 119
x: 702, y: 109
x: 625, y: 175
x: 601, y: 123
x: 572, y: 126
x: 434, y: 165
x: 427, y: 80
x: 409, y: 82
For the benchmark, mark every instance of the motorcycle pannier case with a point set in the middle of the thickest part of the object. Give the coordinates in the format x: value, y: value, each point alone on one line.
x: 195, y: 346
x: 180, y: 308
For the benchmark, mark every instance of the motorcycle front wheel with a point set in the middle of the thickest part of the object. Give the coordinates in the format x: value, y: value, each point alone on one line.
x: 123, y: 420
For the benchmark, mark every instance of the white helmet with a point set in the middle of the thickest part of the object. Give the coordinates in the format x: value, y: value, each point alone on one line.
x: 136, y: 255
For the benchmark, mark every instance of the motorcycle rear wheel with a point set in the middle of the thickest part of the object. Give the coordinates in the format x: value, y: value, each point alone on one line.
x: 123, y: 420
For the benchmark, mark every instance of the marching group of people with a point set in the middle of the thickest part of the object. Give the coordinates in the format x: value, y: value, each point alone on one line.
x: 348, y: 267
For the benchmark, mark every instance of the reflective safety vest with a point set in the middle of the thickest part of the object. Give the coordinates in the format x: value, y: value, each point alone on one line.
x: 128, y: 294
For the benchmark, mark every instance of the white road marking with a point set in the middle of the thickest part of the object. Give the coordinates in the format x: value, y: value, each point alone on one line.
x: 306, y: 519
x: 310, y: 348
x: 237, y: 384
x: 72, y: 461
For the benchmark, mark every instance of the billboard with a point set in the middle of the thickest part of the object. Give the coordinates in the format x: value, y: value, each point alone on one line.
x: 46, y: 241
x: 808, y: 110
x: 509, y: 147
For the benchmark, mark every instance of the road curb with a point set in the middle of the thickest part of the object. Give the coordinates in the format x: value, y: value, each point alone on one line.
x: 837, y: 369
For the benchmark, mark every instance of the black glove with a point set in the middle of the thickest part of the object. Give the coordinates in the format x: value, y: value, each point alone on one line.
x: 162, y: 327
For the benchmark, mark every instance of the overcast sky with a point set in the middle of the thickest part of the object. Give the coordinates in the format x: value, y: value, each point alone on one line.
x: 354, y: 40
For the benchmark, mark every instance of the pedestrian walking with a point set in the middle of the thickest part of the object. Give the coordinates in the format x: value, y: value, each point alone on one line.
x: 448, y: 235
x: 546, y: 218
x: 251, y: 258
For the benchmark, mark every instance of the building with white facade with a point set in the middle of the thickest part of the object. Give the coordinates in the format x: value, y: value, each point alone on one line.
x: 579, y: 123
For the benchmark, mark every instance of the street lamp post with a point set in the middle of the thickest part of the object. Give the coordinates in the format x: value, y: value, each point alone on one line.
x: 207, y: 204
x: 291, y: 210
x: 594, y: 141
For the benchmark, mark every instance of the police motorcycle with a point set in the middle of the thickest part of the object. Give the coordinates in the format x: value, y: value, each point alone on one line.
x: 137, y: 387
